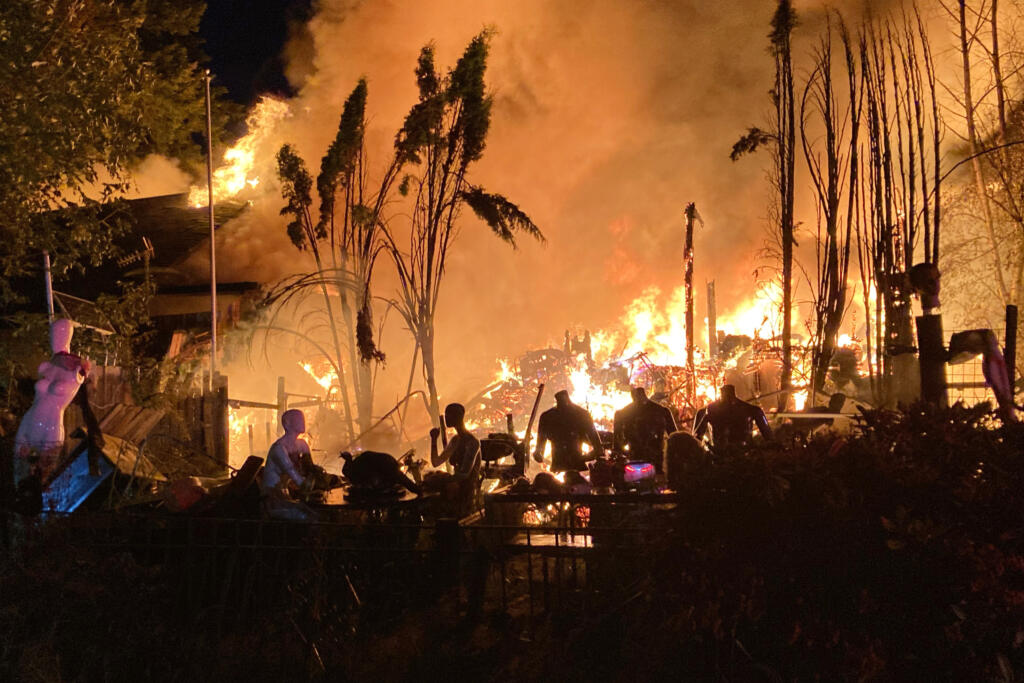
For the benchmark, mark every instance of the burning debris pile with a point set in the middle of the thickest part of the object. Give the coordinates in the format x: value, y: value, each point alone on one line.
x: 648, y: 350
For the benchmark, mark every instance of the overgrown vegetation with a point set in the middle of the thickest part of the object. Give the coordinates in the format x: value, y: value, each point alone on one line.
x: 94, y: 86
x: 895, y: 553
x: 441, y: 138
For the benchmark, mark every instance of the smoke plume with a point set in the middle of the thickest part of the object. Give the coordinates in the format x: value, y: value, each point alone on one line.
x: 609, y: 117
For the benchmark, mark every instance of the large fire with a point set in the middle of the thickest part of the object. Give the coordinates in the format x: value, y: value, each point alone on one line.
x: 237, y: 171
x: 647, y: 347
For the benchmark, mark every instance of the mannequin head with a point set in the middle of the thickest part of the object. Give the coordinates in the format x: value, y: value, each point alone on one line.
x: 60, y: 335
x: 293, y: 421
x: 454, y: 414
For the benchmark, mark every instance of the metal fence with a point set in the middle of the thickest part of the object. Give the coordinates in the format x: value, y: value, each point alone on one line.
x: 966, y: 381
x: 239, y: 569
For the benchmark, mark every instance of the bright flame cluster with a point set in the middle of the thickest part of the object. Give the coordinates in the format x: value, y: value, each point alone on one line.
x: 651, y: 333
x: 237, y: 171
x: 327, y: 379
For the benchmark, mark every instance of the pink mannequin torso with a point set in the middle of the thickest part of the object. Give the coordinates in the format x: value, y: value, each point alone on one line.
x: 42, y: 427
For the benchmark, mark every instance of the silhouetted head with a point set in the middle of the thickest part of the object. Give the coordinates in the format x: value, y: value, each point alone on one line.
x: 454, y: 413
x: 293, y: 421
x: 562, y: 398
x: 728, y: 392
x: 60, y: 335
x: 639, y: 394
x: 836, y: 402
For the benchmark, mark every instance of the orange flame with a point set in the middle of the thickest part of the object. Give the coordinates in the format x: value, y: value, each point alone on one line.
x: 327, y: 379
x: 237, y: 170
x: 649, y: 341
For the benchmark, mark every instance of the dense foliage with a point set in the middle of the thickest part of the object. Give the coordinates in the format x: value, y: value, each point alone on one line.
x: 92, y: 86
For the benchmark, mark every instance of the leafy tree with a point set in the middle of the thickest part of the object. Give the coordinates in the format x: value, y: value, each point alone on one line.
x: 444, y: 133
x: 91, y: 87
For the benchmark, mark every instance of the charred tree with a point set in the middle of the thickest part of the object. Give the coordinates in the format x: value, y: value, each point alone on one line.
x: 993, y: 137
x: 783, y: 136
x: 691, y: 214
x: 783, y: 24
x: 974, y: 147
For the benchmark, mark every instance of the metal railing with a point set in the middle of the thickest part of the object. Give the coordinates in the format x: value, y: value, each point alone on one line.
x: 240, y: 568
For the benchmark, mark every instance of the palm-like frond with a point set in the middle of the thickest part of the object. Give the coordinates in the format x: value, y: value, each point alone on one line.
x: 504, y: 217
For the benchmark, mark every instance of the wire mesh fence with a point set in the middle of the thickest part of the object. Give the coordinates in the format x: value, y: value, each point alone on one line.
x: 966, y: 381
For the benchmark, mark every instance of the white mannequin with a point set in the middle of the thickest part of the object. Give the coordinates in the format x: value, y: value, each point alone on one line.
x: 41, y: 432
x: 283, y: 455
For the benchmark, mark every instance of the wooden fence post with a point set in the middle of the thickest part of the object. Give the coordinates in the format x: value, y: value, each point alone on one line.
x: 219, y: 419
x: 932, y: 359
x: 1010, y: 350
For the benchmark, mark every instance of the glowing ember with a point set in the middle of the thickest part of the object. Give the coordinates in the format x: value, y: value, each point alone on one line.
x: 237, y: 170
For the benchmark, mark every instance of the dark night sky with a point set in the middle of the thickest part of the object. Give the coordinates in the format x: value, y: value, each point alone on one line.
x: 244, y: 39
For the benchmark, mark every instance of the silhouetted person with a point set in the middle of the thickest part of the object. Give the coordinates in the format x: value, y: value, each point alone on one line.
x: 643, y: 426
x: 373, y: 470
x: 462, y: 453
x: 566, y: 426
x: 730, y: 420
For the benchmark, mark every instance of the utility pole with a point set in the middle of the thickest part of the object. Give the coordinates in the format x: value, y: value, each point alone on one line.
x: 48, y: 279
x: 213, y: 234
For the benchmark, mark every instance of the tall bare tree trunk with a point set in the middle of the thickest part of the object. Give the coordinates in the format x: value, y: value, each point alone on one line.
x: 361, y: 374
x: 691, y: 390
x: 342, y: 384
x: 997, y: 74
x: 833, y: 253
x: 787, y: 155
x: 426, y: 338
x: 973, y: 149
